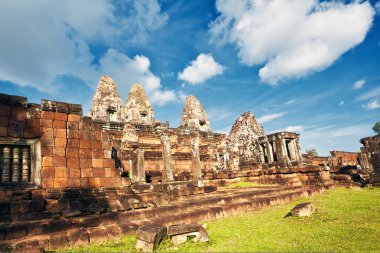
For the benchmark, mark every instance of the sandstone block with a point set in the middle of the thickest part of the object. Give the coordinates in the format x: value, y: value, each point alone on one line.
x: 60, y: 116
x: 181, y: 232
x: 74, y: 117
x: 303, y: 209
x: 59, y: 124
x: 149, y: 237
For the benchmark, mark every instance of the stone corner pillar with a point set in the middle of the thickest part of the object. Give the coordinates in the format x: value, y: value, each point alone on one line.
x: 167, y: 173
x: 138, y: 171
x: 195, y: 160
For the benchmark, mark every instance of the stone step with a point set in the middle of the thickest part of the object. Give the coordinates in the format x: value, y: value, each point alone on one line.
x: 83, y: 230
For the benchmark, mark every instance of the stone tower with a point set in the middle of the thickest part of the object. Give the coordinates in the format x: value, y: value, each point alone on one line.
x: 194, y: 115
x: 138, y: 109
x: 107, y: 104
x: 242, y: 142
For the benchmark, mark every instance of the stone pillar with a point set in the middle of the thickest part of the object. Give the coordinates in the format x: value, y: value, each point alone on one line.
x: 292, y: 154
x: 195, y: 160
x: 25, y: 165
x: 138, y: 171
x: 6, y: 164
x: 16, y: 164
x: 269, y: 152
x: 167, y: 174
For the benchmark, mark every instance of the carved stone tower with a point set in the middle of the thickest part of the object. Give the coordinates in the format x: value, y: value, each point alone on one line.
x: 242, y: 142
x: 194, y: 115
x: 107, y: 104
x: 138, y: 109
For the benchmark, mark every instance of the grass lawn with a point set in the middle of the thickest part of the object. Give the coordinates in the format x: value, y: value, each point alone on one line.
x: 346, y: 220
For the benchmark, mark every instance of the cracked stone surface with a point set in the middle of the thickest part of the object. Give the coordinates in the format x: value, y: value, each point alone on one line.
x: 194, y: 115
x: 106, y: 104
x: 138, y: 109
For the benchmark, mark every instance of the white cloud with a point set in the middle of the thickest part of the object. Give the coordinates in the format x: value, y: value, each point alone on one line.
x: 358, y: 84
x: 373, y: 104
x: 341, y: 103
x: 201, y: 69
x: 126, y: 71
x: 329, y: 138
x: 368, y: 95
x: 270, y: 117
x: 291, y: 38
x: 294, y: 129
x: 289, y: 102
x: 53, y: 39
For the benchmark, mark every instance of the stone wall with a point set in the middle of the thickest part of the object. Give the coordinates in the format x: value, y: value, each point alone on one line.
x: 74, y: 150
x: 370, y: 157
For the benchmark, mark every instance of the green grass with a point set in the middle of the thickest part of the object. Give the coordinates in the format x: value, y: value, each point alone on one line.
x: 346, y: 220
x: 243, y: 184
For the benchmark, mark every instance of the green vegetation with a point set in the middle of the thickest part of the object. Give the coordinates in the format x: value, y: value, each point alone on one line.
x: 311, y: 152
x: 346, y: 220
x: 376, y: 127
x: 243, y: 184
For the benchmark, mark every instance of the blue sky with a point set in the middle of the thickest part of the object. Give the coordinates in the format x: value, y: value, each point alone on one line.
x: 305, y: 66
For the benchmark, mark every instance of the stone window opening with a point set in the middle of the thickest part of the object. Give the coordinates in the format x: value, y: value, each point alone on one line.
x: 143, y: 114
x: 20, y: 162
x: 111, y: 114
x: 287, y: 143
x: 202, y: 122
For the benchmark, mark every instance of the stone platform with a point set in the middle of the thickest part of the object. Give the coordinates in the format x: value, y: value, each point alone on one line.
x: 61, y: 232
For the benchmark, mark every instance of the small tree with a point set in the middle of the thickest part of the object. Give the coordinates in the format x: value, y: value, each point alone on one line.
x: 376, y: 127
x: 311, y: 152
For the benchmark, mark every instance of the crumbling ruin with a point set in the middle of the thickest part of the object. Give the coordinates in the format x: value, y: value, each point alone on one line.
x: 72, y: 179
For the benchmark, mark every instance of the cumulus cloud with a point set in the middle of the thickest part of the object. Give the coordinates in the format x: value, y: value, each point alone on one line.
x: 294, y: 129
x: 54, y: 39
x: 201, y: 69
x: 291, y: 38
x: 126, y: 71
x: 270, y: 117
x: 373, y: 104
x: 358, y: 84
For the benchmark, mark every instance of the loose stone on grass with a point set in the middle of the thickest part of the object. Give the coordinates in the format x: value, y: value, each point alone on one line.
x: 180, y: 233
x: 303, y: 209
x: 149, y: 237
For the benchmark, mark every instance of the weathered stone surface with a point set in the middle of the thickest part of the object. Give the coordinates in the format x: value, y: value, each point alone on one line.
x: 303, y: 209
x: 149, y: 237
x: 194, y: 115
x: 106, y: 103
x: 242, y: 142
x: 181, y: 232
x: 138, y: 109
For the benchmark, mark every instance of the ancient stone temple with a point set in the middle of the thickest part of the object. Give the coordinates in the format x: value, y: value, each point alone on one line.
x: 69, y: 179
x: 138, y: 109
x: 194, y: 115
x: 106, y: 103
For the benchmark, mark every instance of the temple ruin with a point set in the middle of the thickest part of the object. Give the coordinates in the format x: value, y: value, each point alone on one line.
x: 72, y: 179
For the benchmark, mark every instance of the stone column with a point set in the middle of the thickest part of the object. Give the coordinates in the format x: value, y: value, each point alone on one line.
x: 195, y: 160
x: 16, y: 164
x: 167, y: 174
x: 292, y: 150
x: 269, y: 152
x: 6, y: 174
x: 25, y: 165
x: 262, y: 154
x: 138, y: 171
